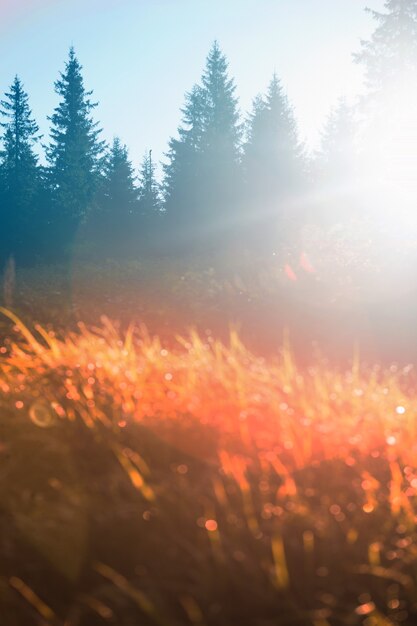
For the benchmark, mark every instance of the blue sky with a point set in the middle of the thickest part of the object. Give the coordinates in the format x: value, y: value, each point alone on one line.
x: 140, y: 56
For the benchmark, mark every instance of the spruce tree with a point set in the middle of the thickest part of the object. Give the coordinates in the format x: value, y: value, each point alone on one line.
x: 222, y: 131
x: 221, y: 147
x: 336, y: 160
x: 390, y: 55
x: 273, y: 154
x: 118, y: 191
x: 389, y: 58
x: 336, y: 169
x: 112, y: 220
x: 150, y: 221
x: 202, y: 175
x: 273, y: 162
x: 19, y: 174
x: 75, y: 151
x: 149, y: 199
x: 184, y: 169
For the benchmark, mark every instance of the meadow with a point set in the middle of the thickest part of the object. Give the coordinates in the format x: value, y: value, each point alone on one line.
x: 185, y: 479
x: 208, y: 396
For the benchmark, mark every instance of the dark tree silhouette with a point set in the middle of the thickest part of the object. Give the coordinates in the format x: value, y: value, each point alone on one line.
x: 202, y: 175
x: 221, y: 139
x: 19, y: 174
x: 149, y: 196
x: 184, y: 168
x: 274, y: 163
x: 74, y: 153
x: 111, y: 222
x: 119, y: 194
x: 150, y: 215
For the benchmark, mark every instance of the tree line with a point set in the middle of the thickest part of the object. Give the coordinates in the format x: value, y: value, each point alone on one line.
x: 225, y: 180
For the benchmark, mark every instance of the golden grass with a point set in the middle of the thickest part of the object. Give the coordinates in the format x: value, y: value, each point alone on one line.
x: 270, y: 407
x: 317, y: 456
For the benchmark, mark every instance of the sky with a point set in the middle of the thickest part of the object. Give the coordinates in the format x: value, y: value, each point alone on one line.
x: 141, y: 56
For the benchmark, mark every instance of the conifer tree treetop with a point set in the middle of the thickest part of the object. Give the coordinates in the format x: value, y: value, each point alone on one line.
x: 202, y: 174
x: 21, y: 132
x: 149, y: 199
x: 389, y: 58
x: 222, y: 116
x: 338, y: 141
x: 119, y: 180
x: 273, y: 154
x: 391, y: 52
x: 19, y: 172
x: 75, y: 151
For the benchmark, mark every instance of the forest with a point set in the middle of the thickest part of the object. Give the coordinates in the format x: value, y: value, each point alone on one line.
x: 226, y: 179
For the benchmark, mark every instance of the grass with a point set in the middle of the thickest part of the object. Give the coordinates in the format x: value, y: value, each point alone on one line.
x: 376, y: 306
x: 196, y: 483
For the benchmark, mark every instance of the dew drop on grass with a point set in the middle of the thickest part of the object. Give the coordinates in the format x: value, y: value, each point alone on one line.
x: 335, y: 509
x: 368, y: 507
x: 393, y: 604
x: 211, y: 525
x: 42, y: 415
x: 365, y: 609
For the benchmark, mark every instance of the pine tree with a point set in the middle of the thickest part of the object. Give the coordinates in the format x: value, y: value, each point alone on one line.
x: 19, y: 172
x: 184, y: 162
x: 149, y: 199
x: 150, y: 221
x: 389, y: 58
x: 202, y: 175
x: 336, y: 169
x: 112, y: 220
x: 273, y: 160
x: 118, y: 191
x: 336, y: 161
x: 222, y: 131
x: 273, y: 152
x: 75, y: 151
x: 221, y: 147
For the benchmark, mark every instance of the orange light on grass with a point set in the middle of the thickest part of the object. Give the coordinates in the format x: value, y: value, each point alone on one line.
x: 211, y: 525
